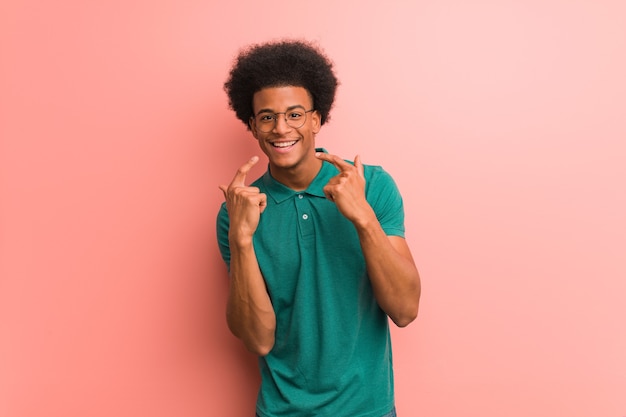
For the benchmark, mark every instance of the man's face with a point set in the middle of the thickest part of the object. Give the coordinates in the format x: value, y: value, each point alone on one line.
x: 286, y: 146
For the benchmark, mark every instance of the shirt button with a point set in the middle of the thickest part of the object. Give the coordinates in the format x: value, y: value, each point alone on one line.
x: 305, y: 216
x: 300, y: 196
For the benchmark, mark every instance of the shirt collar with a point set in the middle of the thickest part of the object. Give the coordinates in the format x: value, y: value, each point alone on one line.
x: 279, y: 192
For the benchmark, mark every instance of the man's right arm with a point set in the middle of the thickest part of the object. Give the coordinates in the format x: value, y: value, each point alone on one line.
x: 249, y: 310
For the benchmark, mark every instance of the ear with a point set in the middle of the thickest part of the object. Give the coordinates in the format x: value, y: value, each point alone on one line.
x: 316, y: 122
x: 253, y: 127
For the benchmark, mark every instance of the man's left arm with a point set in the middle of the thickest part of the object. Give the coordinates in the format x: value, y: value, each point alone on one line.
x: 390, y: 265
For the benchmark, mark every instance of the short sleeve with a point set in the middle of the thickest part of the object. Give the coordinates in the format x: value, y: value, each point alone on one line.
x: 383, y: 195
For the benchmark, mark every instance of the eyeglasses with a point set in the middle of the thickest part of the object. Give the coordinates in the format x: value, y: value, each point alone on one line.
x: 266, y: 121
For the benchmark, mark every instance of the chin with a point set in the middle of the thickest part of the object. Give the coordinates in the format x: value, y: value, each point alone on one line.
x: 285, y: 161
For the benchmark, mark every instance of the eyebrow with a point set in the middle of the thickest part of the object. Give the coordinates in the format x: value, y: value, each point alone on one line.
x: 297, y: 106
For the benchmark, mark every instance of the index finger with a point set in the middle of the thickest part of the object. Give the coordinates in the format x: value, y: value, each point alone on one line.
x: 243, y: 170
x: 335, y: 160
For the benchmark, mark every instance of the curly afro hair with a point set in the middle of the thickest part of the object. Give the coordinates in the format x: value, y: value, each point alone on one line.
x: 276, y: 64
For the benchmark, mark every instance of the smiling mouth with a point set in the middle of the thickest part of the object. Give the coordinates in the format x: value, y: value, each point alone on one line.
x: 284, y: 144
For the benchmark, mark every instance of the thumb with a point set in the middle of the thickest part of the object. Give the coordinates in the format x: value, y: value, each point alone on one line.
x: 223, y: 188
x: 263, y: 203
x: 359, y: 165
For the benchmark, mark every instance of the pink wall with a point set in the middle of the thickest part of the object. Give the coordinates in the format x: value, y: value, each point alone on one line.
x: 503, y: 123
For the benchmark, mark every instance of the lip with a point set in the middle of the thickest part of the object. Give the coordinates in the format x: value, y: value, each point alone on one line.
x: 283, y: 149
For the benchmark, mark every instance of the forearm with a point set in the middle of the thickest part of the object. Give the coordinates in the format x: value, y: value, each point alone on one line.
x: 391, y: 269
x: 249, y: 313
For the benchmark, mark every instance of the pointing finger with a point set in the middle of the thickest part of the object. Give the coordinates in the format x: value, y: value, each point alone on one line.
x: 335, y: 160
x: 243, y: 170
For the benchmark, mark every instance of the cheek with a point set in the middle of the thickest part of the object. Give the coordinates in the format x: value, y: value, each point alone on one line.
x: 255, y: 133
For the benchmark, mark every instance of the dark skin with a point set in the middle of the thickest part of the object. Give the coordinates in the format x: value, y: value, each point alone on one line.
x: 393, y: 275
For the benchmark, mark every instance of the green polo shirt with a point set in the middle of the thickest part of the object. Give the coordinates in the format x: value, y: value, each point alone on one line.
x: 332, y: 351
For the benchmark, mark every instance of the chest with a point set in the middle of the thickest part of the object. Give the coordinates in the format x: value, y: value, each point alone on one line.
x: 304, y: 244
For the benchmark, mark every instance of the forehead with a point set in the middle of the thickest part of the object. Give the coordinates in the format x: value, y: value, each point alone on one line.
x: 281, y: 98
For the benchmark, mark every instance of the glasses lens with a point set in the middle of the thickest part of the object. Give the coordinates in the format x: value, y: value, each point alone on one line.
x: 295, y: 118
x: 266, y: 121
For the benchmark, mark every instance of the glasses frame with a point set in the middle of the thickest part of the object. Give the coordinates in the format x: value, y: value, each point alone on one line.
x: 275, y: 117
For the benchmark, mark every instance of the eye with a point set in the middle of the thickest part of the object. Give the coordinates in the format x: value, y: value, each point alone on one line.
x: 266, y: 117
x: 294, y: 115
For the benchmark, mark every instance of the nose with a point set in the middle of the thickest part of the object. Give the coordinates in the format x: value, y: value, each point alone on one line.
x: 281, y: 124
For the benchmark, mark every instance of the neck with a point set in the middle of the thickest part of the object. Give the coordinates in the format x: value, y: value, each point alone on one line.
x: 298, y: 178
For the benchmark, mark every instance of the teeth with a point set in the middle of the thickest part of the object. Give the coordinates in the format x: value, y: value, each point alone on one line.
x: 283, y: 144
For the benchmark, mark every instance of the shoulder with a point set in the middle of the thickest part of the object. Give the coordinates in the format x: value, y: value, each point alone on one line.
x: 260, y: 182
x: 377, y: 177
x: 380, y: 188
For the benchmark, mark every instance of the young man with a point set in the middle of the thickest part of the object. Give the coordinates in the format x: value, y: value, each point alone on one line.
x: 315, y: 247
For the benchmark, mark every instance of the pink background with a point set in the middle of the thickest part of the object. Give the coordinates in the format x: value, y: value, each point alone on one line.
x: 503, y: 122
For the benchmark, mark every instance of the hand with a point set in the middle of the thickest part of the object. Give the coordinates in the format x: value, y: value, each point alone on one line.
x: 244, y: 204
x: 347, y: 189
